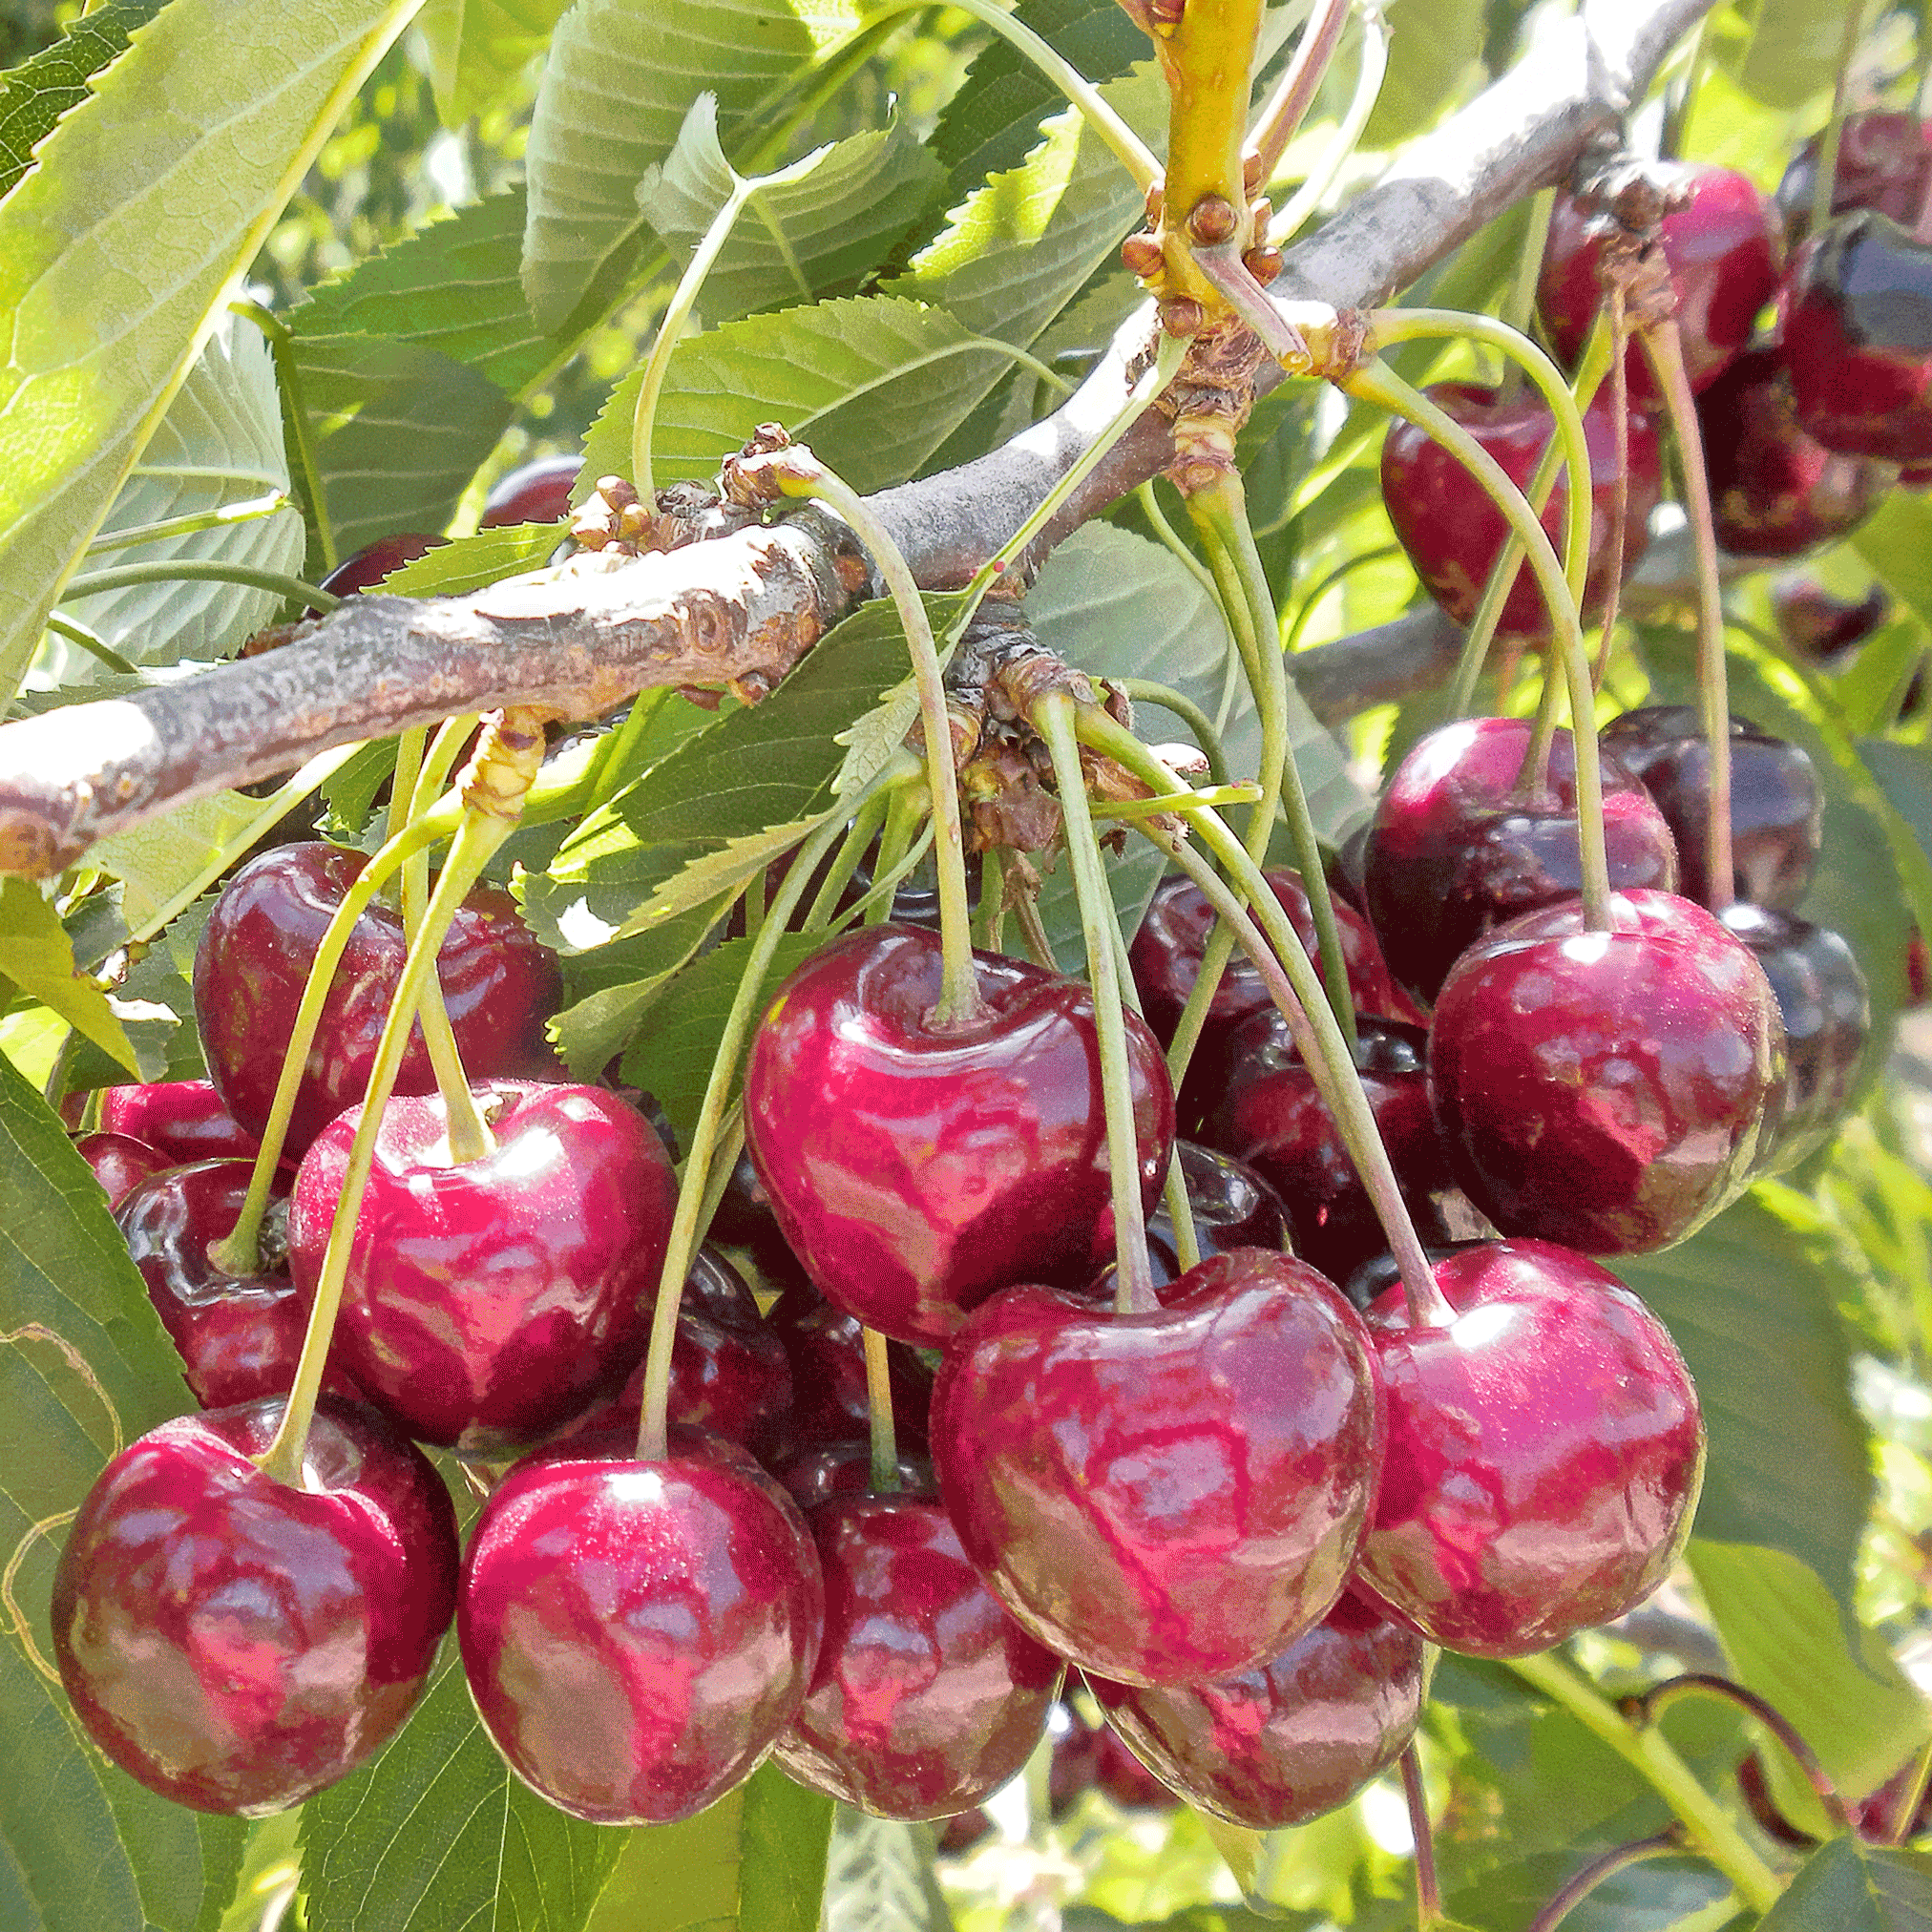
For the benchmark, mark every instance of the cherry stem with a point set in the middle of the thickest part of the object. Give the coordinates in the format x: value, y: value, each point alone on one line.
x: 879, y: 1399
x: 1033, y: 933
x: 1605, y: 1865
x: 902, y: 814
x: 1378, y: 383
x: 1428, y: 1889
x: 989, y: 925
x: 1052, y: 716
x: 1171, y: 539
x: 802, y: 473
x: 1348, y: 135
x: 1277, y: 123
x: 403, y: 784
x: 1708, y: 1829
x: 1145, y: 691
x: 687, y: 1222
x: 1520, y: 302
x: 1620, y: 490
x: 865, y: 827
x: 1665, y: 347
x: 188, y: 570
x: 1282, y: 961
x: 239, y: 1252
x: 1312, y: 598
x: 1650, y: 1706
x: 1912, y: 1797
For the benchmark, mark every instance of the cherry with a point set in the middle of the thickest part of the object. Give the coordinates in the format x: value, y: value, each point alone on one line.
x: 1270, y: 1115
x: 811, y: 1475
x: 235, y: 1644
x: 1827, y: 1019
x: 1282, y: 1744
x: 638, y: 1634
x: 1722, y: 248
x: 927, y: 1697
x: 1884, y: 161
x: 374, y: 561
x: 745, y: 1223
x: 1454, y: 534
x: 1091, y: 1757
x: 1457, y: 847
x: 1233, y: 1207
x: 1605, y: 1089
x: 1544, y: 1453
x: 535, y: 492
x: 1777, y: 809
x: 488, y: 1301
x: 913, y: 1169
x: 1168, y: 1497
x: 826, y: 1350
x: 499, y: 984
x: 184, y: 1118
x: 1858, y: 338
x: 1819, y: 627
x: 119, y: 1163
x: 1774, y: 491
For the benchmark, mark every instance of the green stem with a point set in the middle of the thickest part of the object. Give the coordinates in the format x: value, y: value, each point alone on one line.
x: 989, y: 924
x: 477, y: 837
x: 1348, y: 135
x: 1171, y: 538
x: 879, y: 1401
x: 95, y: 647
x: 1174, y: 1195
x: 686, y: 1226
x: 410, y: 748
x: 251, y: 511
x: 1309, y: 599
x: 1520, y: 303
x: 1599, y: 1869
x: 865, y: 827
x: 1649, y: 1753
x: 1277, y: 123
x: 1145, y: 691
x: 289, y: 377
x: 1053, y: 717
x: 1428, y: 1890
x: 189, y: 570
x: 1824, y: 184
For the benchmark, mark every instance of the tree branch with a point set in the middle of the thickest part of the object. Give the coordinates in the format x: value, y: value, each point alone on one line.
x: 582, y: 638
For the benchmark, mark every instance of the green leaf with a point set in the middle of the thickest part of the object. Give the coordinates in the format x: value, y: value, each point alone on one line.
x: 880, y: 1877
x: 1896, y: 543
x: 1845, y: 1886
x: 437, y: 1835
x: 1435, y: 54
x: 84, y: 1369
x: 478, y: 46
x: 1792, y: 1644
x: 220, y: 445
x: 1788, y: 52
x: 116, y: 252
x: 613, y: 986
x: 755, y: 1861
x: 1752, y: 1301
x: 157, y: 1004
x: 36, y: 956
x: 35, y: 94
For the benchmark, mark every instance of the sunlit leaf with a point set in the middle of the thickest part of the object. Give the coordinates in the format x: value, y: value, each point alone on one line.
x: 35, y: 94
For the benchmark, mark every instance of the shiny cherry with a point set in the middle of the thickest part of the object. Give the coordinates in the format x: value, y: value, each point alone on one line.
x: 1298, y: 1736
x: 811, y: 1475
x: 374, y: 561
x: 1827, y: 1017
x: 488, y: 1301
x: 1233, y: 1207
x: 1776, y: 491
x: 927, y: 1697
x: 1168, y: 1497
x: 186, y: 1119
x: 535, y: 493
x: 1884, y: 162
x: 120, y: 1163
x: 1777, y: 809
x: 1544, y: 1453
x: 1856, y: 338
x: 1453, y: 531
x: 499, y: 984
x: 914, y: 1170
x: 826, y: 1350
x: 1605, y: 1089
x: 1456, y: 848
x: 638, y: 1634
x: 1819, y: 627
x: 237, y: 1643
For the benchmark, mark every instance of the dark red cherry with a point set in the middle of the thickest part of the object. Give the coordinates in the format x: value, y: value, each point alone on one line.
x: 1270, y: 1116
x: 1168, y: 1497
x: 183, y: 1118
x: 1456, y: 848
x: 1819, y: 627
x: 959, y: 1834
x: 374, y: 561
x: 490, y: 1301
x: 1856, y: 338
x: 499, y: 984
x: 237, y: 1643
x: 535, y: 493
x: 745, y: 1223
x: 1827, y: 1019
x: 927, y: 1697
x: 1232, y: 1205
x: 120, y: 1163
x: 1723, y: 248
x: 827, y: 1354
x: 638, y: 1634
x: 1125, y: 1779
x: 1454, y: 534
x: 914, y: 1170
x: 238, y: 1337
x: 1884, y: 161
x: 1544, y: 1453
x: 1282, y: 1744
x: 1774, y: 491
x: 1777, y: 809
x: 811, y: 1475
x: 1605, y: 1089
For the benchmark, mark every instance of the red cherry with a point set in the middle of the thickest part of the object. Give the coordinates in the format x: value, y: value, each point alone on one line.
x: 490, y: 1301
x: 1722, y: 248
x: 1605, y: 1089
x: 535, y: 492
x: 499, y: 984
x: 120, y: 1163
x: 1819, y: 627
x: 826, y: 1350
x: 237, y: 1643
x: 638, y: 1634
x: 1454, y: 534
x: 916, y: 1170
x: 1281, y: 1745
x: 1456, y: 849
x: 1544, y: 1453
x: 374, y: 561
x: 1168, y: 1497
x: 183, y: 1118
x: 1884, y: 161
x: 811, y: 1475
x: 927, y: 1697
